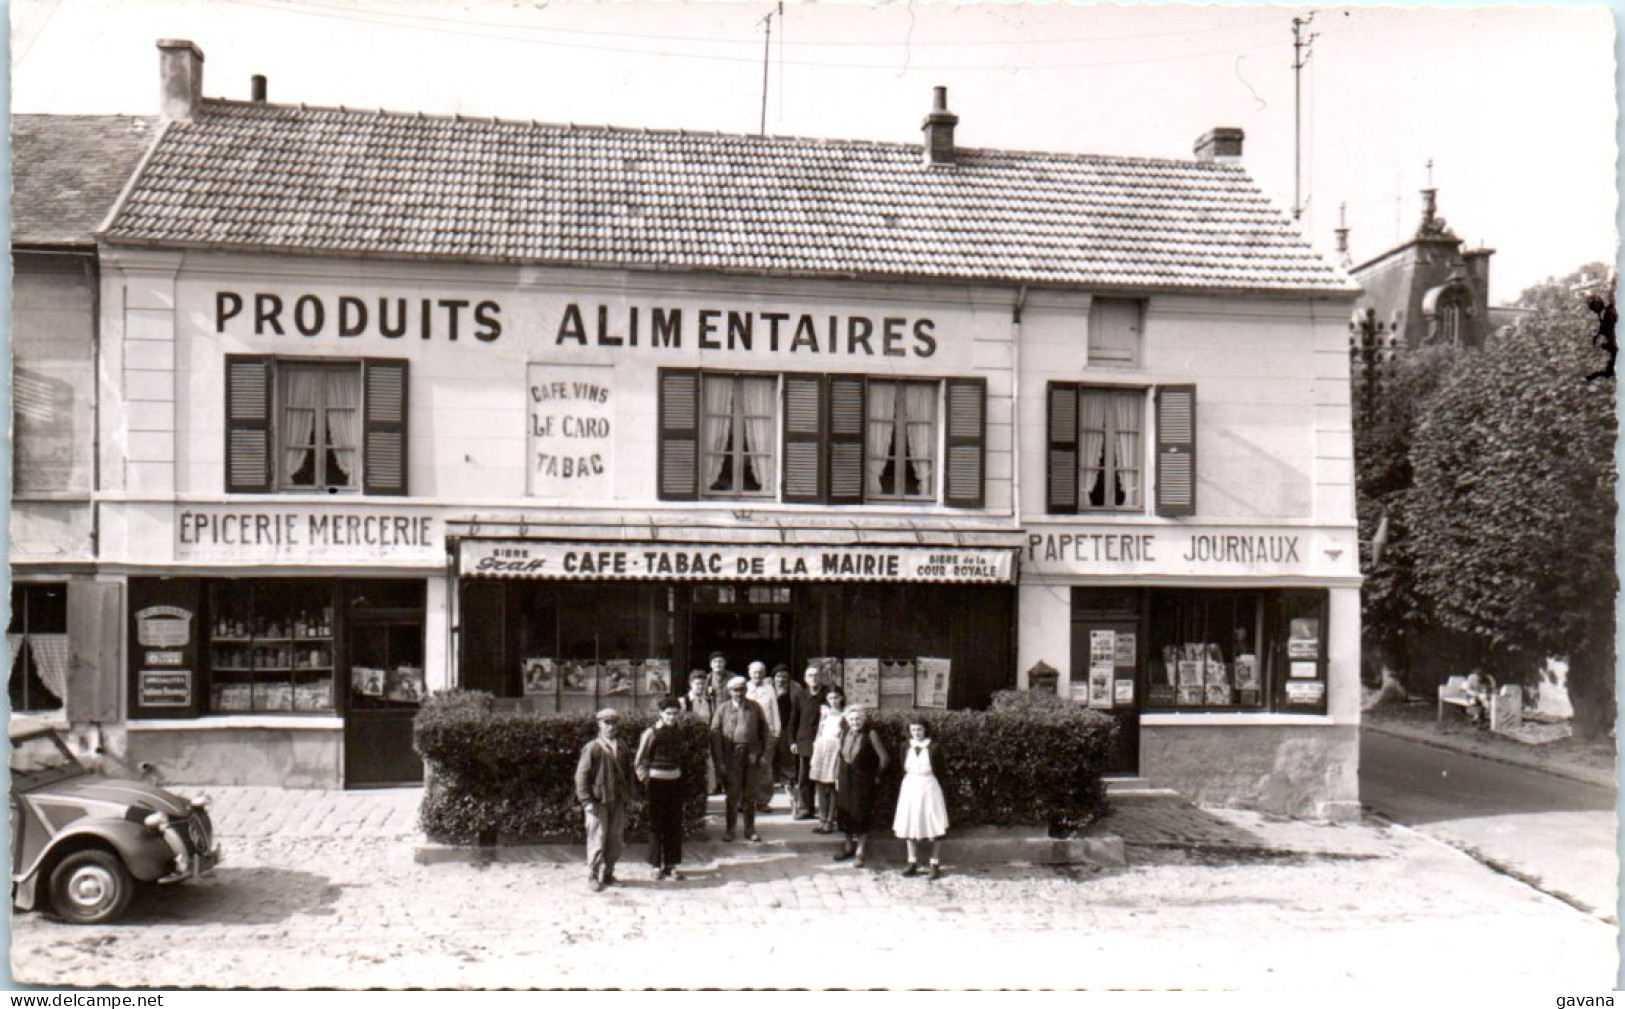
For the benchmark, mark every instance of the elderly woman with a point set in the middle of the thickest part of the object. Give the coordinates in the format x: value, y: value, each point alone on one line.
x: 863, y: 759
x: 826, y: 757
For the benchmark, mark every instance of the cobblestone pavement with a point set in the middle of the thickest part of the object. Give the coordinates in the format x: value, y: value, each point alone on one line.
x: 322, y: 889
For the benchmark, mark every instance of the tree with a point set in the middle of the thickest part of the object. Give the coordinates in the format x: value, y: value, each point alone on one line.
x: 1511, y: 518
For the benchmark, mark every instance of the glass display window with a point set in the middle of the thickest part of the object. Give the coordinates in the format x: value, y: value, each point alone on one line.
x: 271, y: 647
x: 1204, y: 651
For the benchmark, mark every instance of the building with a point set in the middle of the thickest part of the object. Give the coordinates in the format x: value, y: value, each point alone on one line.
x: 399, y: 402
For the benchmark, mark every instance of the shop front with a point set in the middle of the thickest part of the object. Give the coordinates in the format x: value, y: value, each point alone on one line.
x: 575, y: 625
x: 1228, y: 655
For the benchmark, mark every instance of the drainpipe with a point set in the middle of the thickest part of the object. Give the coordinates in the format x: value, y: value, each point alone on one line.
x: 1015, y: 401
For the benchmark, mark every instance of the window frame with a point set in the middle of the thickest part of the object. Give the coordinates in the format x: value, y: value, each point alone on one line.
x: 26, y: 619
x: 736, y: 452
x: 900, y: 421
x: 286, y: 368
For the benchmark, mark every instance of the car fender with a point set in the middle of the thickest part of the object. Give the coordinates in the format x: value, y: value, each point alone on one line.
x: 143, y: 851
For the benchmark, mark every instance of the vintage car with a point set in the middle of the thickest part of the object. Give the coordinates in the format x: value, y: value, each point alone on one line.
x: 87, y: 839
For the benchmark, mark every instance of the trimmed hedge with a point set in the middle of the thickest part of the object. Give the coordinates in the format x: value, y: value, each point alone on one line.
x: 511, y: 774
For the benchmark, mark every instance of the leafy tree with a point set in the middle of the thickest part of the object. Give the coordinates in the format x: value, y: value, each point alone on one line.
x: 1511, y: 518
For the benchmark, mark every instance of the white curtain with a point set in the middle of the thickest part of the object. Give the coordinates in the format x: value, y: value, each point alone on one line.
x: 1126, y: 453
x: 344, y: 422
x: 760, y: 396
x: 1091, y: 443
x: 718, y: 426
x: 301, y: 395
x: 51, y: 662
x: 881, y: 433
x: 16, y: 643
x: 920, y: 403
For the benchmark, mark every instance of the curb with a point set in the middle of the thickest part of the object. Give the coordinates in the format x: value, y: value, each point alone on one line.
x: 1585, y: 777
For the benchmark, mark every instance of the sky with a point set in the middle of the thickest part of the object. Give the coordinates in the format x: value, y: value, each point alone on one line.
x: 1508, y: 111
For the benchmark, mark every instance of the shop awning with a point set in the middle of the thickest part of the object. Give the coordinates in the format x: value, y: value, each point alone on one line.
x: 711, y: 561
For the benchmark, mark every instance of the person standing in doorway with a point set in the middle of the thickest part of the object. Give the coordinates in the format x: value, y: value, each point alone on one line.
x: 738, y: 737
x: 604, y: 789
x: 802, y: 731
x: 761, y: 693
x: 863, y: 760
x: 717, y: 683
x: 785, y: 691
x: 659, y: 768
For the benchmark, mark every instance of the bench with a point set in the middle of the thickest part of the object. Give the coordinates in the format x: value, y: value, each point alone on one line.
x: 1454, y: 691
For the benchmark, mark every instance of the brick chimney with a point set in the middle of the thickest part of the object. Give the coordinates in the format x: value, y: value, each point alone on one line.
x: 180, y: 79
x: 939, y: 130
x: 1221, y: 144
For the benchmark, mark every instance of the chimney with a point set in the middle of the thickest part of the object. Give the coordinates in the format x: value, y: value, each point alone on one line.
x: 257, y: 87
x: 939, y: 130
x: 180, y: 79
x: 1222, y: 144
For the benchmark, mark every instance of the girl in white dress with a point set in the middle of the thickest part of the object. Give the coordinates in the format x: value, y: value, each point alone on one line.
x: 922, y: 813
x: 826, y: 756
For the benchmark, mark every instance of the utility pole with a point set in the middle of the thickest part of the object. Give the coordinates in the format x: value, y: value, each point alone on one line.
x: 1302, y: 39
x: 767, y: 40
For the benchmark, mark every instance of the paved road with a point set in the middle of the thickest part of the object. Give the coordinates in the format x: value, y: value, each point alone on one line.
x: 1553, y: 832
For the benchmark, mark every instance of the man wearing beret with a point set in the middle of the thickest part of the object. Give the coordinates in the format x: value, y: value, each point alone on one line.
x: 738, y: 740
x: 604, y: 789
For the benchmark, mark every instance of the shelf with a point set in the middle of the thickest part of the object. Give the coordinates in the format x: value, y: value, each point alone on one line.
x: 313, y: 637
x: 230, y: 641
x: 231, y: 669
x: 313, y: 669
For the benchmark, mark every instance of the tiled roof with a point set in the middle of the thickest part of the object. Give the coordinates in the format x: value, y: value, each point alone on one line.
x: 348, y: 182
x: 67, y: 171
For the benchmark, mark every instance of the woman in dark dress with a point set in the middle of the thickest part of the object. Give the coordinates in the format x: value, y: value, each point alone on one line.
x: 863, y: 760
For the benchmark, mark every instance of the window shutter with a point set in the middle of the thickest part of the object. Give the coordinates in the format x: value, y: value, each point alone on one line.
x: 383, y: 401
x: 847, y: 416
x: 1176, y: 450
x: 966, y: 442
x: 804, y: 474
x: 679, y: 461
x: 1063, y: 449
x: 248, y: 424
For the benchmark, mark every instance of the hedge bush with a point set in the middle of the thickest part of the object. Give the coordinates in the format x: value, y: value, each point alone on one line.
x: 511, y: 774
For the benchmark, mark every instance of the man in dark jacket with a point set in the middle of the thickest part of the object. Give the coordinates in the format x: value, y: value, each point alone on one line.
x: 803, y: 732
x: 738, y: 738
x: 604, y: 789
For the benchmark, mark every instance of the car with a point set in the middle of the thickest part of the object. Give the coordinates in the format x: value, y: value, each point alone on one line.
x: 81, y: 842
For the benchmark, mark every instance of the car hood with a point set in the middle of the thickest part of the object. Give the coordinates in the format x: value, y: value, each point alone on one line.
x: 114, y: 793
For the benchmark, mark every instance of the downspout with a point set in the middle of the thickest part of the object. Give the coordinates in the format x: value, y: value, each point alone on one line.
x: 1015, y: 474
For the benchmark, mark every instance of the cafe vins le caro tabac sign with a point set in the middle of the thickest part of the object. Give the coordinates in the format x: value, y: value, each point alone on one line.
x: 748, y: 562
x: 568, y: 431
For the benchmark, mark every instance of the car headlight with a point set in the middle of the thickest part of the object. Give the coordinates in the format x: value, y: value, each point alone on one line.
x: 200, y: 803
x: 156, y: 820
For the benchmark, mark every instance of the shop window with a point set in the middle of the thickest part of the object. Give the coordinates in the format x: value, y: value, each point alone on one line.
x: 1205, y: 651
x: 271, y: 647
x: 308, y: 426
x: 1096, y: 459
x: 620, y: 658
x: 1116, y: 330
x: 38, y: 636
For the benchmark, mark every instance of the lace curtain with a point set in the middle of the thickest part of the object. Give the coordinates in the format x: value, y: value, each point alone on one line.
x: 301, y: 398
x: 1126, y: 455
x: 343, y: 425
x: 1092, y: 447
x: 920, y: 406
x: 760, y: 395
x: 717, y: 435
x: 882, y: 432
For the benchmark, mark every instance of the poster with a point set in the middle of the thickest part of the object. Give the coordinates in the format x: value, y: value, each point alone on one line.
x: 616, y: 678
x: 1079, y: 692
x: 1190, y: 695
x: 1125, y: 653
x: 1305, y: 670
x: 1311, y: 692
x: 656, y: 677
x: 1102, y: 645
x: 1122, y: 691
x: 897, y: 683
x: 931, y: 679
x: 1100, y: 682
x: 1246, y: 672
x: 165, y: 688
x: 367, y: 681
x: 830, y: 673
x: 1218, y: 693
x: 1190, y: 673
x: 404, y: 684
x: 541, y: 678
x: 863, y: 682
x: 1304, y: 640
x: 577, y: 677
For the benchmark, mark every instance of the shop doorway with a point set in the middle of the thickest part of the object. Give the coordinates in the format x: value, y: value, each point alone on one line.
x: 747, y: 623
x: 386, y: 688
x: 1108, y: 653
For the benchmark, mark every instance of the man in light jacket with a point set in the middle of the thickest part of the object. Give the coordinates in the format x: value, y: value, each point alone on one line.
x: 604, y: 789
x: 738, y: 739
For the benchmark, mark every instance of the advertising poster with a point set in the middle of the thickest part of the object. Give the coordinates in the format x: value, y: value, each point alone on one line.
x: 1305, y: 670
x: 1125, y: 653
x: 1304, y: 640
x: 541, y: 677
x: 1122, y: 691
x: 1102, y: 645
x: 367, y: 681
x: 863, y: 682
x: 931, y: 682
x: 1100, y: 682
x: 1190, y: 695
x: 617, y: 678
x: 896, y: 683
x: 1246, y: 672
x: 1190, y: 672
x: 656, y: 677
x: 577, y: 677
x: 1079, y: 692
x: 1305, y: 692
x: 404, y: 684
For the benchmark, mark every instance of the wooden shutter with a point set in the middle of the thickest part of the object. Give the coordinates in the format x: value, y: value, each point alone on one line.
x: 679, y: 462
x: 248, y: 424
x: 95, y: 674
x: 966, y: 442
x: 1176, y: 450
x: 847, y: 417
x: 383, y: 400
x: 1062, y: 497
x: 805, y: 474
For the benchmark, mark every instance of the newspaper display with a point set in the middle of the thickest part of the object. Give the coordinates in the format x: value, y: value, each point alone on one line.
x: 863, y: 683
x: 931, y: 682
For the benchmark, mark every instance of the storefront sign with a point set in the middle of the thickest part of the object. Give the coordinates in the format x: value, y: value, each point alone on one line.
x: 733, y: 562
x: 568, y: 431
x: 165, y: 688
x: 292, y: 534
x: 1096, y: 550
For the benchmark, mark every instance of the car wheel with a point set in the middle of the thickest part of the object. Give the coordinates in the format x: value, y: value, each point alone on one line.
x: 91, y: 886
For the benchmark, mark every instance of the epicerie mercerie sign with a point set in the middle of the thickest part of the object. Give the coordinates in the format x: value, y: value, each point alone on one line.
x: 733, y: 562
x: 307, y: 535
x: 1234, y: 551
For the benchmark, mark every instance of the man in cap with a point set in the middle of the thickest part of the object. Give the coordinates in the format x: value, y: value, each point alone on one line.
x: 738, y: 739
x: 604, y: 789
x: 759, y: 691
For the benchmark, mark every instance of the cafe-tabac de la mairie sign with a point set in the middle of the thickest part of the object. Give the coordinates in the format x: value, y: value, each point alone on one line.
x: 570, y: 419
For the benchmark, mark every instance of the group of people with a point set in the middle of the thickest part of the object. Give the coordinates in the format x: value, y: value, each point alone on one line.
x: 763, y: 730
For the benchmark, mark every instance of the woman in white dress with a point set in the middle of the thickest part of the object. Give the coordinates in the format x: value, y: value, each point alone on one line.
x: 922, y: 813
x: 826, y: 758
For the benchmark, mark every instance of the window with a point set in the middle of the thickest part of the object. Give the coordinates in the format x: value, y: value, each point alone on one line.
x: 307, y: 426
x: 38, y: 637
x: 1205, y: 651
x: 739, y: 428
x: 271, y: 646
x: 847, y: 439
x: 1097, y: 449
x: 900, y: 455
x: 1115, y: 329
